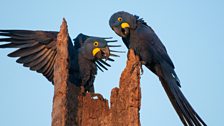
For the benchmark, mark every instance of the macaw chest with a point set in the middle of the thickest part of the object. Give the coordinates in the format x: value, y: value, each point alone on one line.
x: 142, y: 49
x: 136, y: 45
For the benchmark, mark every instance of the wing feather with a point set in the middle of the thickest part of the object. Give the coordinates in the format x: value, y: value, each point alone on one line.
x: 26, y: 51
x: 51, y: 66
x: 44, y: 60
x: 35, y: 49
x: 45, y: 69
x: 32, y: 57
x: 37, y: 61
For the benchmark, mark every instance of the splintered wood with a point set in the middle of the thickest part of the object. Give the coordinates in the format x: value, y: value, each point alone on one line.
x: 65, y: 100
x: 125, y: 101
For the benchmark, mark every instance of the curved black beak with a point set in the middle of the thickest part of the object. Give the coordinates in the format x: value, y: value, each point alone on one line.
x: 104, y: 53
x: 117, y: 30
x: 122, y: 32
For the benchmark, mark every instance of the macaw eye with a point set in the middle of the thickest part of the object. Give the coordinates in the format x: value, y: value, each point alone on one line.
x: 119, y: 19
x: 96, y: 43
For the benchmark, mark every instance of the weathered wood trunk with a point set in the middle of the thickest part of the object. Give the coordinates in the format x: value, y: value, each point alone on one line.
x: 65, y: 94
x: 70, y: 108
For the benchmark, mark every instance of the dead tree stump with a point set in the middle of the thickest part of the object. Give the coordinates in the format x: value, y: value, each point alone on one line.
x: 65, y: 94
x: 70, y: 108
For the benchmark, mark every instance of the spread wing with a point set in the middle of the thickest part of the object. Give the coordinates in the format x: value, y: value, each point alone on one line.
x: 35, y: 49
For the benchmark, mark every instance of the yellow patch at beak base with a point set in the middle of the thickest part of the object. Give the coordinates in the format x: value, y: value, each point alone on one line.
x: 125, y: 25
x: 95, y: 51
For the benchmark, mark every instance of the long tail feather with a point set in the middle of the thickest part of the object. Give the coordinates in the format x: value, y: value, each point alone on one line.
x: 185, y: 111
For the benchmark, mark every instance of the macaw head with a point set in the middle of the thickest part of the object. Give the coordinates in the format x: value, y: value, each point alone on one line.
x: 121, y: 22
x: 95, y: 48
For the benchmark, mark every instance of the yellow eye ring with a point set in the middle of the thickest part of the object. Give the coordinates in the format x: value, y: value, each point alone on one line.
x: 119, y: 19
x: 96, y: 43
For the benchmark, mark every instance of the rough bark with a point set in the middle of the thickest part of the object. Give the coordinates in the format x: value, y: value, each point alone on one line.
x: 65, y: 94
x: 125, y: 101
x: 72, y: 108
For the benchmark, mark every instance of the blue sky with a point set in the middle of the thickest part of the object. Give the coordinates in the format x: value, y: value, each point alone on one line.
x: 191, y: 31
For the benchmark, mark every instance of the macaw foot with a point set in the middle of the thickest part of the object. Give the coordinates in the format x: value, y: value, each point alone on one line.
x: 140, y: 63
x: 99, y: 96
